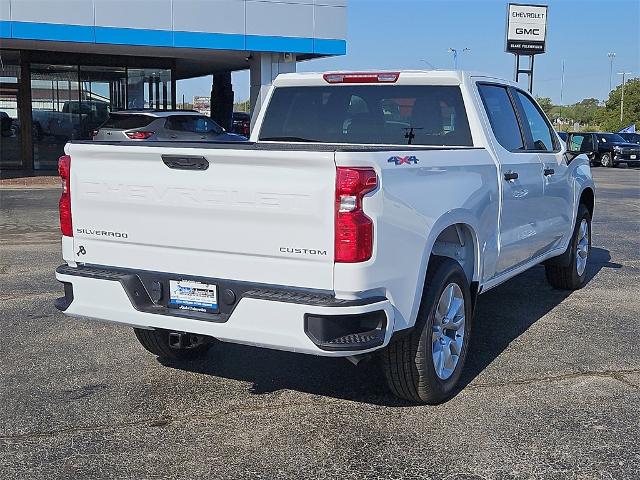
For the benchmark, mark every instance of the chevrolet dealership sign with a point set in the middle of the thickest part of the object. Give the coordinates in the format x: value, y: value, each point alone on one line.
x: 526, y: 29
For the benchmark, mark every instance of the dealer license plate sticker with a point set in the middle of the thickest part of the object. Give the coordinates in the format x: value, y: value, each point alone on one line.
x: 193, y: 296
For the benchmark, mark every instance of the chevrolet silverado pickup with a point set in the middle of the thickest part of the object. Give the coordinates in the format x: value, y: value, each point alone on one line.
x: 363, y: 218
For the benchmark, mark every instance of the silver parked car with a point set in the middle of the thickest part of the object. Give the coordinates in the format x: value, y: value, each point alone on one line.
x: 163, y: 126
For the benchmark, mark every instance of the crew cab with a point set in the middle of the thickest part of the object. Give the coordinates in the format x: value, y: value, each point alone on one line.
x: 364, y: 217
x: 606, y: 149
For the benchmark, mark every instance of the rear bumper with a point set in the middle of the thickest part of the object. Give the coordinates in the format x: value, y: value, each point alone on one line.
x: 278, y: 318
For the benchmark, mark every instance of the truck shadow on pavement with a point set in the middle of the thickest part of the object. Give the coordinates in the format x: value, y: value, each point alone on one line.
x: 503, y: 314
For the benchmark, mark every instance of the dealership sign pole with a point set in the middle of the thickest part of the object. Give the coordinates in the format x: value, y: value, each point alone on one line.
x: 526, y: 35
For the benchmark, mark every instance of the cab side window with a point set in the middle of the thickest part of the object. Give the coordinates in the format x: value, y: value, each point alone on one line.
x: 542, y: 138
x: 502, y: 116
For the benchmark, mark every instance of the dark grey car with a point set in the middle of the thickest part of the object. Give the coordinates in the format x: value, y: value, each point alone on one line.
x: 163, y: 126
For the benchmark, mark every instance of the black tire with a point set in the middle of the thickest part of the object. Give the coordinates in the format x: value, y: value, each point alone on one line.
x: 408, y: 363
x: 605, y: 160
x: 157, y: 342
x: 567, y: 277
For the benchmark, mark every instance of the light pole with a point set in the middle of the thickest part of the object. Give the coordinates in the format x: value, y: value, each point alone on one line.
x: 624, y: 74
x: 428, y: 63
x: 455, y: 55
x: 611, y: 56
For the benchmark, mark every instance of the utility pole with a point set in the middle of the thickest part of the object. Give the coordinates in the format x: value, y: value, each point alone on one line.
x: 562, y: 84
x: 624, y: 74
x: 455, y: 55
x: 611, y: 56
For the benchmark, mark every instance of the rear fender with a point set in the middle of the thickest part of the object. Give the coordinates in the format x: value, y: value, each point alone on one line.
x: 452, y: 217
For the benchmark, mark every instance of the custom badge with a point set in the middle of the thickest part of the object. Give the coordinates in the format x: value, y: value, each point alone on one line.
x: 404, y: 160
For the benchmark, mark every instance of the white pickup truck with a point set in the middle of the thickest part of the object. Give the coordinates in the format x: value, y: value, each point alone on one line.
x: 364, y: 216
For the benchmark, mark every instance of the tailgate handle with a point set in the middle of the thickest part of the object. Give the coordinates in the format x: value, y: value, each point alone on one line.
x: 185, y: 162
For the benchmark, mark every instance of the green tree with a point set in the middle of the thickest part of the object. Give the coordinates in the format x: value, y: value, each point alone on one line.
x: 609, y: 117
x: 586, y: 111
x: 546, y: 104
x: 242, y: 106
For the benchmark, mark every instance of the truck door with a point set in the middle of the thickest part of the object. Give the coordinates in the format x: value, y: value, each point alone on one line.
x: 557, y: 185
x: 521, y: 178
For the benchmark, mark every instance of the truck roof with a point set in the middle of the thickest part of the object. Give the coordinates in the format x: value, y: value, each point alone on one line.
x: 405, y: 77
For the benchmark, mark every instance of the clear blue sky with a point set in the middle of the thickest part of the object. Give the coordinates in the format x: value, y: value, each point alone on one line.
x: 397, y: 34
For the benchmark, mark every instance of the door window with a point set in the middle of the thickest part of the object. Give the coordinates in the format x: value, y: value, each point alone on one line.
x: 502, y: 116
x: 541, y: 136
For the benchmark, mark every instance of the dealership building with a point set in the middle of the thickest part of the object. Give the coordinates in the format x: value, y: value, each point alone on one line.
x: 66, y: 63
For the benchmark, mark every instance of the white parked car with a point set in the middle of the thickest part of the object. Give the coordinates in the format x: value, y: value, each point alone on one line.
x: 365, y: 216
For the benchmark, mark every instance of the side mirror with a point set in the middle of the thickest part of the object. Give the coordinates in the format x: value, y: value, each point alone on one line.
x: 583, y: 147
x: 570, y: 155
x: 580, y: 145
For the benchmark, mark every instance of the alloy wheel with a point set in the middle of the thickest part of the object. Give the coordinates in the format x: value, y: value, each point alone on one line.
x: 582, y: 249
x: 447, y: 333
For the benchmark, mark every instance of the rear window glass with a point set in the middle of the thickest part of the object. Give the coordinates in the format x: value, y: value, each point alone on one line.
x: 193, y: 124
x: 368, y: 114
x: 127, y: 122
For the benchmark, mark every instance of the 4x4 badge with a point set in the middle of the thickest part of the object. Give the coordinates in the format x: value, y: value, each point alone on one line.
x: 404, y: 160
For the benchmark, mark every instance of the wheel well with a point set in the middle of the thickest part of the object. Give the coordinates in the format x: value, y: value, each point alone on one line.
x: 587, y: 198
x: 457, y: 242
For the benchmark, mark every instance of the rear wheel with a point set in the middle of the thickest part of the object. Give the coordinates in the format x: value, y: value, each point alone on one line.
x: 425, y: 366
x: 573, y: 276
x: 173, y: 345
x: 605, y: 160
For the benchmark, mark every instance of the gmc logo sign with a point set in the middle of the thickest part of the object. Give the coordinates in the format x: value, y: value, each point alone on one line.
x: 527, y: 31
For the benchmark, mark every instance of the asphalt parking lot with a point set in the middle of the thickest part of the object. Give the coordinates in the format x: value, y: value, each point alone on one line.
x: 552, y: 385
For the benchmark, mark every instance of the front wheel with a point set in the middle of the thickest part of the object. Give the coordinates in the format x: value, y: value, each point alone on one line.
x: 605, y: 160
x: 573, y: 276
x: 425, y: 366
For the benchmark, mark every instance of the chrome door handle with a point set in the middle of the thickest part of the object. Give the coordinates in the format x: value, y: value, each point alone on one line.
x: 548, y: 172
x: 510, y: 176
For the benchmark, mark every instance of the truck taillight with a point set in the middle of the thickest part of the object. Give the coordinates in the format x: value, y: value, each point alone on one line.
x: 353, y: 229
x: 64, y: 206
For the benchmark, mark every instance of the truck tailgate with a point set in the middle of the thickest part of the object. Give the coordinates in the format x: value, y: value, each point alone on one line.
x: 264, y: 216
